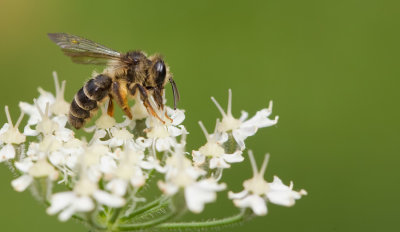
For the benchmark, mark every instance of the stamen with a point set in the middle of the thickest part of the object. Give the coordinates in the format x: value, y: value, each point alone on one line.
x: 264, y: 165
x: 216, y: 125
x: 229, y: 111
x: 40, y: 110
x: 46, y: 111
x: 56, y: 83
x: 21, y: 116
x: 63, y: 83
x: 203, y: 128
x: 270, y: 106
x: 253, y: 163
x: 8, y: 116
x: 218, y: 106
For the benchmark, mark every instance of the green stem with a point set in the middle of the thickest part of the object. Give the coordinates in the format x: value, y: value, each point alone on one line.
x: 217, y: 223
x: 144, y: 225
x: 145, y: 208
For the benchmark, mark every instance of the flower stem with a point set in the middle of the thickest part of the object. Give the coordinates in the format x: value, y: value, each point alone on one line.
x: 196, y: 226
x: 145, y: 208
x: 147, y: 224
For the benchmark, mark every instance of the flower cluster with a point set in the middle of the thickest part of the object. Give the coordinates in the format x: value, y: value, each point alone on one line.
x: 102, y: 177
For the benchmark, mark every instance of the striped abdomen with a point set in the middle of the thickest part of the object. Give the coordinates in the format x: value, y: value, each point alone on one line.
x: 85, y: 102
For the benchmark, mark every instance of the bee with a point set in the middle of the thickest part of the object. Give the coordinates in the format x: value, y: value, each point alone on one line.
x: 125, y: 75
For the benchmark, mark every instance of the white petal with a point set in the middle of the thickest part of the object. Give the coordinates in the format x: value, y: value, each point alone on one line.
x: 57, y: 158
x: 60, y: 120
x: 59, y: 201
x: 218, y: 163
x: 21, y: 183
x: 198, y: 158
x: 244, y: 115
x: 200, y: 193
x: 255, y: 202
x: 24, y: 165
x: 66, y: 213
x: 281, y: 194
x: 64, y: 134
x: 239, y: 138
x: 107, y: 199
x: 239, y: 195
x: 233, y: 158
x: 260, y: 119
x: 107, y: 164
x: 174, y: 131
x: 7, y: 152
x: 117, y: 186
x: 163, y: 144
x: 30, y: 132
x: 83, y: 204
x: 167, y: 188
x: 176, y: 115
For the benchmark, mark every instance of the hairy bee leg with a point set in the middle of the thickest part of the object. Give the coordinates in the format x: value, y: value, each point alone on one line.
x: 170, y: 119
x: 120, y: 94
x: 159, y: 101
x: 110, y: 108
x: 145, y: 98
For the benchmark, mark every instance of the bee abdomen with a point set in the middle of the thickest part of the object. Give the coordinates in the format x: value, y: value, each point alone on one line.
x: 85, y: 102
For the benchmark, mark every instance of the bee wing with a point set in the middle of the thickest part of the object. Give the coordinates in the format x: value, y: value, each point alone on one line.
x: 84, y: 51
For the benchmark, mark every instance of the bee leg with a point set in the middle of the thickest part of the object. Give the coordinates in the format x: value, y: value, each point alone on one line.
x: 110, y: 108
x: 159, y: 100
x: 145, y: 98
x: 120, y: 94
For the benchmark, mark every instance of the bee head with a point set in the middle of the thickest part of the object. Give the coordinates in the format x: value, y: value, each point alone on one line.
x: 160, y: 71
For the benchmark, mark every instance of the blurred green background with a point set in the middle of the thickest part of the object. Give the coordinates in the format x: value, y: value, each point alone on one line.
x: 331, y: 67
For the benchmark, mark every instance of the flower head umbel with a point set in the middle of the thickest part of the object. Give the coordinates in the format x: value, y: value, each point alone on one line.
x: 257, y: 191
x: 108, y: 176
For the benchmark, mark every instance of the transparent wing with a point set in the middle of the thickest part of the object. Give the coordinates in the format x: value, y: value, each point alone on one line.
x: 83, y: 51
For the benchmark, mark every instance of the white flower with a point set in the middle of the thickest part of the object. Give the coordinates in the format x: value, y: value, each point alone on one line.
x: 69, y: 203
x: 213, y: 149
x: 128, y: 171
x: 80, y: 200
x: 182, y: 175
x: 163, y: 135
x: 202, y: 192
x: 257, y: 191
x: 240, y: 128
x: 119, y: 137
x: 10, y: 134
x: 33, y: 170
x: 60, y: 106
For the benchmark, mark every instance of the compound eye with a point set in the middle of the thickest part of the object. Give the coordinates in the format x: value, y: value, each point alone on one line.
x: 135, y: 61
x: 160, y: 73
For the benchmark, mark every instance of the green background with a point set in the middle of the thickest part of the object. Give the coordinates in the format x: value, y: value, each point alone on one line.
x: 331, y: 67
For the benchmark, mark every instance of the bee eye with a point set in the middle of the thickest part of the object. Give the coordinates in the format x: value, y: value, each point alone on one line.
x: 135, y: 61
x: 160, y: 73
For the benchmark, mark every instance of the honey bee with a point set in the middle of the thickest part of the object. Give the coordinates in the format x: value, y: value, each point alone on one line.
x: 125, y: 75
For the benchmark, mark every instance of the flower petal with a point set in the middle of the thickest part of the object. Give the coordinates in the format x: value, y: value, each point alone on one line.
x: 255, y: 202
x: 105, y: 198
x: 21, y: 183
x: 7, y: 152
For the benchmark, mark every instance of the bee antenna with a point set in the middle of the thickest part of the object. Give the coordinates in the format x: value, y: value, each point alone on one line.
x: 174, y: 91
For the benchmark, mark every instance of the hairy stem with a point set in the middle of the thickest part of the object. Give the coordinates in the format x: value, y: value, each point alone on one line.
x: 196, y: 226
